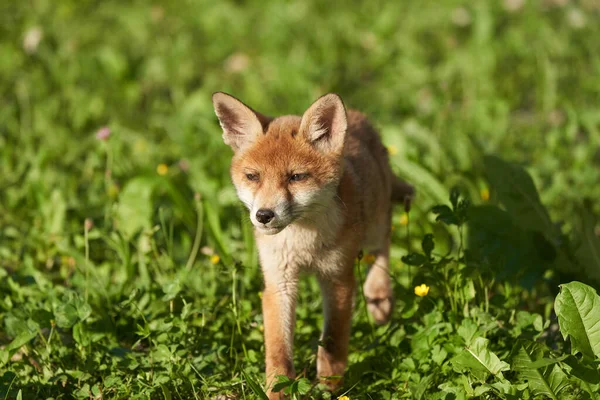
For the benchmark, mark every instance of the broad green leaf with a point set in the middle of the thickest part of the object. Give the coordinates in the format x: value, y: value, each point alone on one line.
x: 482, y: 389
x: 479, y: 360
x: 427, y: 244
x: 516, y: 190
x: 414, y: 259
x: 578, y: 309
x: 134, y: 210
x: 588, y: 252
x: 454, y: 390
x: 419, y: 389
x: 72, y: 309
x: 509, y: 251
x: 83, y: 392
x: 303, y: 385
x: 586, y: 375
x: 171, y: 289
x: 80, y: 335
x: 549, y: 380
x: 162, y: 353
x: 445, y: 215
x: 282, y: 383
x: 430, y: 186
x: 509, y: 390
x: 438, y: 354
x: 4, y: 356
x: 468, y: 330
x: 468, y: 290
x: 23, y: 338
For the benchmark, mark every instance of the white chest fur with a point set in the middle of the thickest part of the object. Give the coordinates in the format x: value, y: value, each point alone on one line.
x: 307, y: 244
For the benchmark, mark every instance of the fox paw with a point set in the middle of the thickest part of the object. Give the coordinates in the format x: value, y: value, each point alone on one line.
x: 380, y: 309
x: 379, y: 296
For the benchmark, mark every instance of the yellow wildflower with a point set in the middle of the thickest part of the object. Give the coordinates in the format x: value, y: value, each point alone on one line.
x: 162, y: 169
x: 485, y: 194
x: 392, y: 150
x: 422, y: 290
x: 404, y: 219
x: 215, y: 259
x: 343, y: 398
x: 369, y: 259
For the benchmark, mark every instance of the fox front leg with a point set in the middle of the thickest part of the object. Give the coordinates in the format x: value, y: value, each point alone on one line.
x: 279, y: 313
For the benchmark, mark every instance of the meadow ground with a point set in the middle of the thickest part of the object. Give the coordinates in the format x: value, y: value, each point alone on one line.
x: 127, y: 265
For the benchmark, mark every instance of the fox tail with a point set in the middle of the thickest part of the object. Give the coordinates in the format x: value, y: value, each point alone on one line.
x: 402, y: 192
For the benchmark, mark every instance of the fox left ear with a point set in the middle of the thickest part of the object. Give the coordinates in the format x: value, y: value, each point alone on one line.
x: 241, y: 124
x: 324, y: 124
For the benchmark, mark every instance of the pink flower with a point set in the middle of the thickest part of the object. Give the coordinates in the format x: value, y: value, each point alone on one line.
x: 103, y: 133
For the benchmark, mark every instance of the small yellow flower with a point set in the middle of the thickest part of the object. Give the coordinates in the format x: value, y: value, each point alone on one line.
x: 215, y: 259
x: 343, y: 398
x: 392, y: 150
x: 422, y: 290
x: 162, y: 169
x: 485, y: 194
x: 369, y: 259
x: 404, y: 219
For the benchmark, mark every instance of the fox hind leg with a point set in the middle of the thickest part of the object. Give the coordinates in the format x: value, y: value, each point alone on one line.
x: 378, y: 286
x: 332, y: 357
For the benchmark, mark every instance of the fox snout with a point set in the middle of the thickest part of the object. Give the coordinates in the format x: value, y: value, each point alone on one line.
x: 264, y: 215
x: 269, y: 214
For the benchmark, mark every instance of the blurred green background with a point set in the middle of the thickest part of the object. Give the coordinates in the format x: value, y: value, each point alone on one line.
x: 445, y: 82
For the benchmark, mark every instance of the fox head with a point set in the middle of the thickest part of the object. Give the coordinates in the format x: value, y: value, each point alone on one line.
x: 284, y: 169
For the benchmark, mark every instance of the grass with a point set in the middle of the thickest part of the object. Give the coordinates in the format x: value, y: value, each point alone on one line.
x: 127, y: 266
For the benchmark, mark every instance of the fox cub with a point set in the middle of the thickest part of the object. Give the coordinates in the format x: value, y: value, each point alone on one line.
x: 319, y: 189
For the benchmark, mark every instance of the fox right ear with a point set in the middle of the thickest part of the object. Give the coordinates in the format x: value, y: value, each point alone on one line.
x: 241, y: 125
x: 324, y: 124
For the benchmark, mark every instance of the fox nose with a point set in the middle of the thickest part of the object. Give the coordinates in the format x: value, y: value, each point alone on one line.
x: 264, y: 216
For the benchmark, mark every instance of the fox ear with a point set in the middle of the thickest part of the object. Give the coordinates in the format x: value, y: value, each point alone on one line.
x: 324, y: 124
x: 241, y: 124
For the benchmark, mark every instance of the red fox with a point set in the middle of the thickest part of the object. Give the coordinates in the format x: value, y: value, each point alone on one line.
x: 319, y: 189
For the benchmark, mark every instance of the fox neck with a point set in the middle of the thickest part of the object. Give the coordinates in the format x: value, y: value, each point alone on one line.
x: 325, y: 219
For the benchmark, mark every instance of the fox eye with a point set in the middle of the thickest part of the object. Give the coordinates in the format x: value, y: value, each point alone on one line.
x: 298, y: 177
x: 252, y: 177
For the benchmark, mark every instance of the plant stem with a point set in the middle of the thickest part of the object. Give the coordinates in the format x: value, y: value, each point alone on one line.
x: 408, y: 246
x: 198, y: 235
x: 87, y: 258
